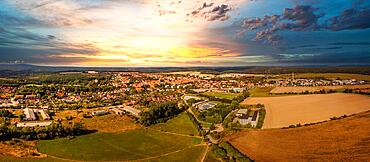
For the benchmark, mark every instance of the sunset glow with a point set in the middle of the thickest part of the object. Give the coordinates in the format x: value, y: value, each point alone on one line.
x: 173, y: 33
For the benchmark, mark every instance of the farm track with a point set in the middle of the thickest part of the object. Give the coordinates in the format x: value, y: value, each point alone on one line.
x: 205, y: 154
x: 178, y: 134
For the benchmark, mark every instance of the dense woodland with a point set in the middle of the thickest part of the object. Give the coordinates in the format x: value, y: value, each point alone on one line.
x: 160, y: 113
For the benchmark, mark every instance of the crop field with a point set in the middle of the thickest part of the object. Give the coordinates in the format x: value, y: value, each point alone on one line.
x: 229, y: 96
x: 287, y: 110
x: 130, y: 145
x: 110, y: 123
x: 190, y: 154
x: 280, y: 90
x: 180, y: 124
x: 346, y: 139
x: 260, y: 91
x: 329, y: 76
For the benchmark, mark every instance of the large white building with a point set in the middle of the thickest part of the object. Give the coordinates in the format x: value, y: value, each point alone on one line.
x: 29, y: 113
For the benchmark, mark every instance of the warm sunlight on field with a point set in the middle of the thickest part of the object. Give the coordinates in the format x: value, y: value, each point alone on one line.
x: 339, y: 140
x: 287, y: 110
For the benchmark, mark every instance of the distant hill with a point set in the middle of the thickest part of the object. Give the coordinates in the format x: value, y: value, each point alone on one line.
x: 27, y: 69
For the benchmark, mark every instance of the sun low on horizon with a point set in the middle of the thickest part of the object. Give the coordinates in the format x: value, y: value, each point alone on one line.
x: 184, y: 32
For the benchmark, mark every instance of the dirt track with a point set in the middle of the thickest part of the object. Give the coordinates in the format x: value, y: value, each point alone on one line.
x: 287, y: 110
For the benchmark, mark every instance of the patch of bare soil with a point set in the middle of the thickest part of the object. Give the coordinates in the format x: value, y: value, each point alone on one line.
x: 20, y: 148
x: 110, y: 123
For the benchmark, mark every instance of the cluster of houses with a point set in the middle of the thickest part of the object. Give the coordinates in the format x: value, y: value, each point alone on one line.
x: 317, y: 82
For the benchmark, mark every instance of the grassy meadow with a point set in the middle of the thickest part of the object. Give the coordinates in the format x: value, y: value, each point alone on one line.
x: 260, y: 91
x: 193, y: 154
x: 180, y: 124
x: 222, y: 95
x: 130, y: 145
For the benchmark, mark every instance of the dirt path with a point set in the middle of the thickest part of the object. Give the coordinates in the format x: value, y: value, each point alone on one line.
x: 166, y: 154
x: 63, y: 159
x: 205, y: 154
x: 178, y: 134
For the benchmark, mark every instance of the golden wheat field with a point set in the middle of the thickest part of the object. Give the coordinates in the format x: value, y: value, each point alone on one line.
x: 345, y: 139
x: 279, y: 90
x: 287, y: 110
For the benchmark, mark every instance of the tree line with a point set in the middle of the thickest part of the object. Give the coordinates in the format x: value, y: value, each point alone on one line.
x: 55, y: 130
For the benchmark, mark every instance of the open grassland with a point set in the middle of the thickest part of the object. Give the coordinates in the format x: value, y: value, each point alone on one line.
x: 130, y: 145
x: 280, y: 90
x: 105, y: 123
x: 222, y: 95
x: 287, y: 110
x: 110, y: 123
x: 346, y: 139
x: 328, y: 76
x: 189, y: 154
x: 192, y: 154
x: 260, y: 91
x: 180, y: 124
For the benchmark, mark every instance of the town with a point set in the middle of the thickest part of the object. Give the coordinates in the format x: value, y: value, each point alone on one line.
x: 133, y: 92
x: 214, y: 105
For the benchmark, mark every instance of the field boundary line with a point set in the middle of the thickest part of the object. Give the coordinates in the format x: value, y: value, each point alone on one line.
x: 63, y: 159
x: 205, y: 154
x: 175, y: 133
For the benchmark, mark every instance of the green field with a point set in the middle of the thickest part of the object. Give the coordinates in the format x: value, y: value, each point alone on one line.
x: 193, y: 154
x: 260, y: 91
x: 205, y: 124
x: 130, y: 145
x: 229, y: 96
x: 180, y: 124
x: 329, y: 76
x: 264, y: 92
x: 189, y: 154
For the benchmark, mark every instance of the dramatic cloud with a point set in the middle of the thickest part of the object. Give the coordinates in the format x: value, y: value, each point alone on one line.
x: 306, y: 18
x: 299, y: 18
x: 178, y: 32
x: 211, y: 12
x: 303, y: 18
x: 350, y: 19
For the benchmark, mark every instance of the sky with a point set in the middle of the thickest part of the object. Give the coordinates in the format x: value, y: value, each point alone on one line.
x: 157, y: 33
